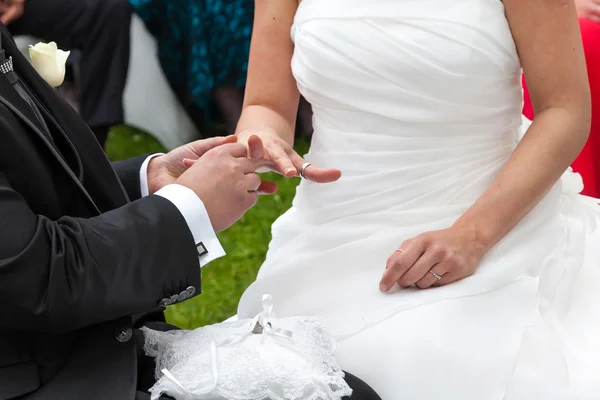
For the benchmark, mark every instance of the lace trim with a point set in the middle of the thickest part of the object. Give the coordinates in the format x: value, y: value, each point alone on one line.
x: 292, y: 359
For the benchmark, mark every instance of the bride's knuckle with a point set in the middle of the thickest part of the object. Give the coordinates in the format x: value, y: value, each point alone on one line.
x: 450, y: 258
x: 426, y: 239
x: 390, y: 263
x: 406, y: 280
x: 439, y: 250
x: 400, y: 267
x: 279, y: 158
x: 422, y: 285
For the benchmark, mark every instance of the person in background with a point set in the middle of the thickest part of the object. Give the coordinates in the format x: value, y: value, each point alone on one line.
x: 588, y: 162
x: 100, y: 29
x: 203, y: 50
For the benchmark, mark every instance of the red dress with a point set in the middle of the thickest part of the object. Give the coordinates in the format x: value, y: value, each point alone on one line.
x: 588, y: 162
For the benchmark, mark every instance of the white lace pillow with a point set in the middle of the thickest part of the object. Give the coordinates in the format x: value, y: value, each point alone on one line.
x: 258, y: 359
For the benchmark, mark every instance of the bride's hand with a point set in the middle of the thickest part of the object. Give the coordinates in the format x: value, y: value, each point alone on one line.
x: 433, y: 259
x: 280, y: 157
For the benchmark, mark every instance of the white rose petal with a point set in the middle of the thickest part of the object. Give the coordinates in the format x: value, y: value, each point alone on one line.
x: 49, y: 62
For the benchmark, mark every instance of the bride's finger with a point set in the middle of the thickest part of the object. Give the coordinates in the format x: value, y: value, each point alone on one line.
x: 281, y: 160
x: 420, y: 268
x: 430, y: 279
x: 267, y: 187
x: 256, y: 149
x: 315, y: 173
x: 451, y: 276
x: 400, y: 262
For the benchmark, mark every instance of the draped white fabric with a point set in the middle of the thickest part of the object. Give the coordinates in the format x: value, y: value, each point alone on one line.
x: 418, y: 102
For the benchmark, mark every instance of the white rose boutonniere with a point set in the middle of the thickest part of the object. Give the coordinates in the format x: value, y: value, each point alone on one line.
x: 49, y: 62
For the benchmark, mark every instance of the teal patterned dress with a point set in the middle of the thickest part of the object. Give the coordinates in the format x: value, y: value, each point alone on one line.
x: 203, y: 44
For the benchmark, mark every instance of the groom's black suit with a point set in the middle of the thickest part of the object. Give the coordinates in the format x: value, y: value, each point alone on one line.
x: 73, y: 272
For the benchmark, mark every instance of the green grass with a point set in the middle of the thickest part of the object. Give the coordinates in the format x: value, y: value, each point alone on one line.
x: 223, y: 280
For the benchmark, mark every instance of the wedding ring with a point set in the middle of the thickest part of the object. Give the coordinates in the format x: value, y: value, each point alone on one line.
x: 438, y: 277
x: 304, y: 166
x: 400, y: 250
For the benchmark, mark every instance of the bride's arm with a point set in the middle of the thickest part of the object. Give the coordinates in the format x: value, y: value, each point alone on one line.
x: 547, y: 36
x: 548, y: 40
x: 271, y: 98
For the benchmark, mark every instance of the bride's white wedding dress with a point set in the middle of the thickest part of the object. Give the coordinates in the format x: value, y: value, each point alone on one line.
x: 418, y: 102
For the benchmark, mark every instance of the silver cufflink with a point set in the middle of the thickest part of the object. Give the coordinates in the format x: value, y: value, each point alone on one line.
x: 201, y: 249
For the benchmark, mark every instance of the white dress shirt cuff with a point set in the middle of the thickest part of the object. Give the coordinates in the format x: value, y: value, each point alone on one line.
x: 144, y: 175
x: 195, y: 215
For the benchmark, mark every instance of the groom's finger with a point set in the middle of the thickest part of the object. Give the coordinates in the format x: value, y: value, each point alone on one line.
x: 236, y: 150
x: 199, y: 147
x: 252, y: 182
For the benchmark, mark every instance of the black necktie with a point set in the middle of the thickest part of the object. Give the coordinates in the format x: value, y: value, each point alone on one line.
x: 6, y: 67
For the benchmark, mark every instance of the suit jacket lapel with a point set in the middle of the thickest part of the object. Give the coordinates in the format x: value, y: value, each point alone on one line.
x: 101, y: 185
x: 14, y: 102
x: 68, y: 151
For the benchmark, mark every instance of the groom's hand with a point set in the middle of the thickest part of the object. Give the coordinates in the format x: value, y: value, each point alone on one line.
x: 164, y: 170
x: 225, y: 179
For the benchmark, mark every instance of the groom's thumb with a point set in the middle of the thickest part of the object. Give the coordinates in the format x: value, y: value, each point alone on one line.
x: 202, y: 146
